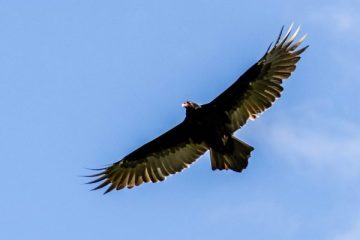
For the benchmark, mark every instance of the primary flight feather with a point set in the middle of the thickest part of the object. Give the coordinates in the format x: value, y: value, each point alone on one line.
x: 210, y: 126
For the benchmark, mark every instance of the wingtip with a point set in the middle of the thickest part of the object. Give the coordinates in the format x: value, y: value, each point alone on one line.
x: 286, y: 36
x: 268, y: 49
x: 109, y: 189
x: 97, y: 180
x: 96, y: 169
x: 303, y: 37
x: 101, y: 185
x: 291, y: 25
x: 298, y: 52
x: 279, y: 36
x: 93, y: 175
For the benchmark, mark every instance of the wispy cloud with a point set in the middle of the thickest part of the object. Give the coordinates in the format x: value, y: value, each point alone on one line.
x: 317, y: 142
x: 353, y: 233
x: 336, y: 28
x: 338, y: 17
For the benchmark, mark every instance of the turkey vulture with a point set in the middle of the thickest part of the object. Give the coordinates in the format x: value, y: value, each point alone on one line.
x: 210, y: 126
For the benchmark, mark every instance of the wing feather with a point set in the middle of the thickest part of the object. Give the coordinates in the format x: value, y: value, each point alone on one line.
x: 166, y: 155
x: 259, y: 87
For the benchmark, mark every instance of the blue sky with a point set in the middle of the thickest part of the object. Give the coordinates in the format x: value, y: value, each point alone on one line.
x: 82, y: 83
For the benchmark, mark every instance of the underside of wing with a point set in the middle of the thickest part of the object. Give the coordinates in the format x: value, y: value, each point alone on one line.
x: 260, y: 85
x: 168, y: 154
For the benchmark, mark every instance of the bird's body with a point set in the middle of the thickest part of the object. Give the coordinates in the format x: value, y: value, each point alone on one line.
x: 210, y: 126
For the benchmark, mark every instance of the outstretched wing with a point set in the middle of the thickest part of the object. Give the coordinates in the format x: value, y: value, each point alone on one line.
x: 260, y: 85
x: 168, y: 154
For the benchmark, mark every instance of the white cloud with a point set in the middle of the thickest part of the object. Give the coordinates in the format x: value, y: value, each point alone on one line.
x: 334, y: 34
x: 351, y: 234
x: 319, y: 143
x: 337, y: 17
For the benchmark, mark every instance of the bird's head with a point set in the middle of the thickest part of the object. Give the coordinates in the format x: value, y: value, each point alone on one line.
x: 190, y: 105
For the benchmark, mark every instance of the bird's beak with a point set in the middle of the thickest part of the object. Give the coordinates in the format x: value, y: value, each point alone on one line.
x: 184, y: 105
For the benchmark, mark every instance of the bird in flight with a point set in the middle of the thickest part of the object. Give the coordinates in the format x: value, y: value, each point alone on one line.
x: 210, y: 126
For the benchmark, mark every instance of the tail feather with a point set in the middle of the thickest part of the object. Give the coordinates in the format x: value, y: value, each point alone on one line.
x: 236, y: 160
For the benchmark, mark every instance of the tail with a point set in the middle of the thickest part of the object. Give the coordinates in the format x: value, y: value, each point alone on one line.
x: 236, y: 160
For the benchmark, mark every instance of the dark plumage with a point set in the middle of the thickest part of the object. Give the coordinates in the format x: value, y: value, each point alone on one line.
x: 210, y: 126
